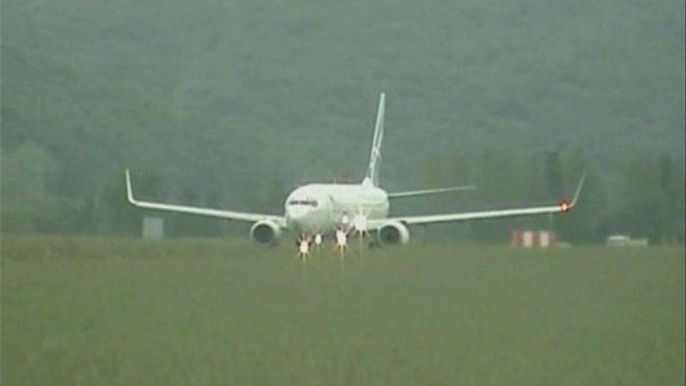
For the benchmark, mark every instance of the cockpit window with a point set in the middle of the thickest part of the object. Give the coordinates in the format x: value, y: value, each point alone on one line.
x: 312, y: 203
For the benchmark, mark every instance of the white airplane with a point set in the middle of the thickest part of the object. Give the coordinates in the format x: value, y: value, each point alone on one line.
x: 334, y: 210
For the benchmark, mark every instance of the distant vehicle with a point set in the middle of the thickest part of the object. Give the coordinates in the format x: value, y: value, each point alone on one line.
x: 625, y: 241
x: 617, y: 241
x: 316, y: 212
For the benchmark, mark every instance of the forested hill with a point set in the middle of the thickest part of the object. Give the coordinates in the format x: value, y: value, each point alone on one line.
x: 230, y: 102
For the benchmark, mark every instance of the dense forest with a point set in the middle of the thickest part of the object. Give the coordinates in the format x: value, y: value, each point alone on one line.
x: 232, y: 104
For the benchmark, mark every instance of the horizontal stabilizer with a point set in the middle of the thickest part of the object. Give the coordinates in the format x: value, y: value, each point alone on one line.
x: 424, y: 192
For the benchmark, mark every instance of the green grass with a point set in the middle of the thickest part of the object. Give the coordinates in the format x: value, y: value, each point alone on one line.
x: 207, y: 312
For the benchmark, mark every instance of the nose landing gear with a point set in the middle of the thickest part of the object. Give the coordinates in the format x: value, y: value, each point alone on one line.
x: 303, y: 244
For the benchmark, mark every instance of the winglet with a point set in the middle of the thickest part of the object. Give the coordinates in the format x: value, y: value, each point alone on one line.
x: 129, y: 190
x: 578, y: 190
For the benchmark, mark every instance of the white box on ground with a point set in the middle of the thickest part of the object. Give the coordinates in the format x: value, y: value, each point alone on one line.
x: 528, y: 239
x: 153, y: 228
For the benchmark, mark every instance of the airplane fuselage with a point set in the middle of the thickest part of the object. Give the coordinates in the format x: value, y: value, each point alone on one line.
x: 324, y: 208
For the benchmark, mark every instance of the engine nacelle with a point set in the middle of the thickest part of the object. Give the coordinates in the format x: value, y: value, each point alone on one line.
x: 393, y: 233
x: 265, y: 232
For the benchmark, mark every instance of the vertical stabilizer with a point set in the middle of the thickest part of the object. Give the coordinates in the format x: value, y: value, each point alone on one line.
x: 372, y: 176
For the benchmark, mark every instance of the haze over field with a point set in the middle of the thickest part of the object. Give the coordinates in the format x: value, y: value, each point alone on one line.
x: 217, y: 312
x: 229, y: 103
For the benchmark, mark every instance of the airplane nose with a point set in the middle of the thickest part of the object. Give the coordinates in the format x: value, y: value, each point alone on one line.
x: 296, y: 213
x: 295, y: 217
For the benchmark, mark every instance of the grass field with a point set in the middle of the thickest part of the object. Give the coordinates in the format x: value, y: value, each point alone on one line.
x: 204, y: 312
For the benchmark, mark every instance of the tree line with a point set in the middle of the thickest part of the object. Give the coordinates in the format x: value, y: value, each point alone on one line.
x: 645, y: 199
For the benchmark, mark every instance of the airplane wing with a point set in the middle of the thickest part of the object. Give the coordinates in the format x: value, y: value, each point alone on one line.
x: 563, y: 207
x: 219, y: 213
x: 423, y: 192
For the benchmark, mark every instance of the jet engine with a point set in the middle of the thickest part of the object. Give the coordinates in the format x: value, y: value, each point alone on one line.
x: 393, y: 233
x: 265, y: 232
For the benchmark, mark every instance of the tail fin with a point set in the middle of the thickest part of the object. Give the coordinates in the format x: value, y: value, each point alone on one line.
x: 372, y: 176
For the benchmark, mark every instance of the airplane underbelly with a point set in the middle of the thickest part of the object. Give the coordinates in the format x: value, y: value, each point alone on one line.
x: 347, y: 202
x: 371, y: 210
x: 377, y: 211
x: 313, y: 223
